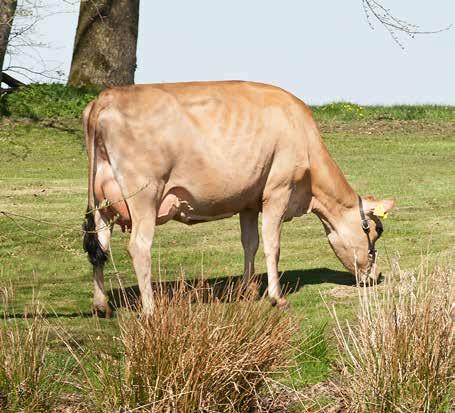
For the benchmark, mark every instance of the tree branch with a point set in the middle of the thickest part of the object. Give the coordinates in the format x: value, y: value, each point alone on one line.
x: 11, y: 81
x: 374, y: 10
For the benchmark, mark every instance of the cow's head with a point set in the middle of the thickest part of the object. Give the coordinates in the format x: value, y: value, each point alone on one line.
x: 354, y: 237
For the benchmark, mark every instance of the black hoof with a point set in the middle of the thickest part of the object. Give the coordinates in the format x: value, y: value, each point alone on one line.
x: 102, y: 312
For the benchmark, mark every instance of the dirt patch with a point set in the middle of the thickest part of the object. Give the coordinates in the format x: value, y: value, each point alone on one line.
x: 322, y: 397
x: 70, y: 404
x: 381, y: 127
x: 342, y: 291
x: 345, y: 291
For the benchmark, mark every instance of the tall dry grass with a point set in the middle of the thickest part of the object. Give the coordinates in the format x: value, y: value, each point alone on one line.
x: 196, y: 353
x: 399, y: 354
x: 27, y: 383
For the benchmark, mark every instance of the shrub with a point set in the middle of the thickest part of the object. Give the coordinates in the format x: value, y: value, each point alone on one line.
x: 399, y: 356
x: 38, y: 101
x: 196, y: 353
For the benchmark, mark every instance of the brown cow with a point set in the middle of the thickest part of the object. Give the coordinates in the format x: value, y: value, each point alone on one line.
x: 201, y: 151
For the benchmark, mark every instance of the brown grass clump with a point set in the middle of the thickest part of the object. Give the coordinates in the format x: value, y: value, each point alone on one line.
x: 27, y: 384
x: 196, y: 353
x: 399, y: 356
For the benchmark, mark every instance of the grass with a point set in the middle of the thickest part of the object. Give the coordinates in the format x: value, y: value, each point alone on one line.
x: 400, y: 355
x: 313, y: 355
x: 43, y: 176
x: 346, y: 111
x: 29, y: 381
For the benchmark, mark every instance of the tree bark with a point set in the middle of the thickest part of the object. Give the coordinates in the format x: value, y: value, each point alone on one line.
x: 7, y: 10
x: 105, y: 46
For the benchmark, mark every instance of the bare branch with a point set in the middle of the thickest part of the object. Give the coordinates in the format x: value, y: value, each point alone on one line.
x: 374, y: 10
x: 24, y: 43
x: 48, y: 74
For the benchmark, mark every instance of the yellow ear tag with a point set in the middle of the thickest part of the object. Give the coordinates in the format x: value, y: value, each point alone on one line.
x: 379, y: 211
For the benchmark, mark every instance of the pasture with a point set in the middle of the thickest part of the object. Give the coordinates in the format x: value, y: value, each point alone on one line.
x: 405, y: 152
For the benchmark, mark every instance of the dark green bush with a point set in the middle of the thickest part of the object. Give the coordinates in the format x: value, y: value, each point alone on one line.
x: 38, y: 101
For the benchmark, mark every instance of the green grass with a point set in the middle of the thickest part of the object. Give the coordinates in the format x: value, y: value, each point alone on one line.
x: 43, y: 176
x: 313, y: 355
x: 346, y: 111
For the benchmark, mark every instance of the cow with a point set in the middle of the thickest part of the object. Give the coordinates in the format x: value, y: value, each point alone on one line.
x: 202, y: 151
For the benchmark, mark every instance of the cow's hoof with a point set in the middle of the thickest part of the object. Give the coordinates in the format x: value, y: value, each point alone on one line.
x: 102, y: 311
x: 280, y: 303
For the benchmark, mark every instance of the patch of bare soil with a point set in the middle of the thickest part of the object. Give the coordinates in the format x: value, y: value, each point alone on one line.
x: 320, y: 398
x: 346, y: 291
x: 383, y: 126
x: 69, y: 404
x: 342, y: 291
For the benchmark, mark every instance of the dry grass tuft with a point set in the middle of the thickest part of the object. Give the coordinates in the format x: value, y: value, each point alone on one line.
x: 399, y: 356
x: 27, y: 384
x: 196, y: 353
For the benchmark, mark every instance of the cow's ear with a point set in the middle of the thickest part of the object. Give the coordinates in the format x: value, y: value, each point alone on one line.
x: 379, y: 208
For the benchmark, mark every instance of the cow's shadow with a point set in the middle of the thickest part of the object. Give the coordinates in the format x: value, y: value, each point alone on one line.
x: 223, y: 287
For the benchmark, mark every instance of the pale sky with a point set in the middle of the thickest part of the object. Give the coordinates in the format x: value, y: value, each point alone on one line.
x: 322, y: 51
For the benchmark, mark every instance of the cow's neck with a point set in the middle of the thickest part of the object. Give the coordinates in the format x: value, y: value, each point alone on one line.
x: 332, y: 196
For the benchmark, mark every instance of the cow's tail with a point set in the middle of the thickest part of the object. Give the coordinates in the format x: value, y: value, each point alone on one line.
x: 96, y: 255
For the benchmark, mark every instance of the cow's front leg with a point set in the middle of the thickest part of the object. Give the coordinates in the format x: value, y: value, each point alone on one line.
x: 250, y: 241
x: 139, y: 249
x: 272, y: 219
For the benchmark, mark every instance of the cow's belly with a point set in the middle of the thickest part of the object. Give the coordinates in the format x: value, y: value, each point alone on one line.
x: 189, y: 206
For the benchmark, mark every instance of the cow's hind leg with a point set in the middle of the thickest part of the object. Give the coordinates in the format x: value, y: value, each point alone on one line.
x: 250, y: 241
x: 96, y: 244
x: 272, y: 219
x: 143, y: 208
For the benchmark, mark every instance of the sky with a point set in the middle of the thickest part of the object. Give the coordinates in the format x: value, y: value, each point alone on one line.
x: 322, y: 51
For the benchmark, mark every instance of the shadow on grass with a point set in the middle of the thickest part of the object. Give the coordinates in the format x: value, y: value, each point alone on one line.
x: 291, y: 282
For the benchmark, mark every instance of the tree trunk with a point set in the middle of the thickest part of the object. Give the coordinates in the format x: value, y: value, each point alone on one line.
x: 105, y: 47
x: 7, y: 10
